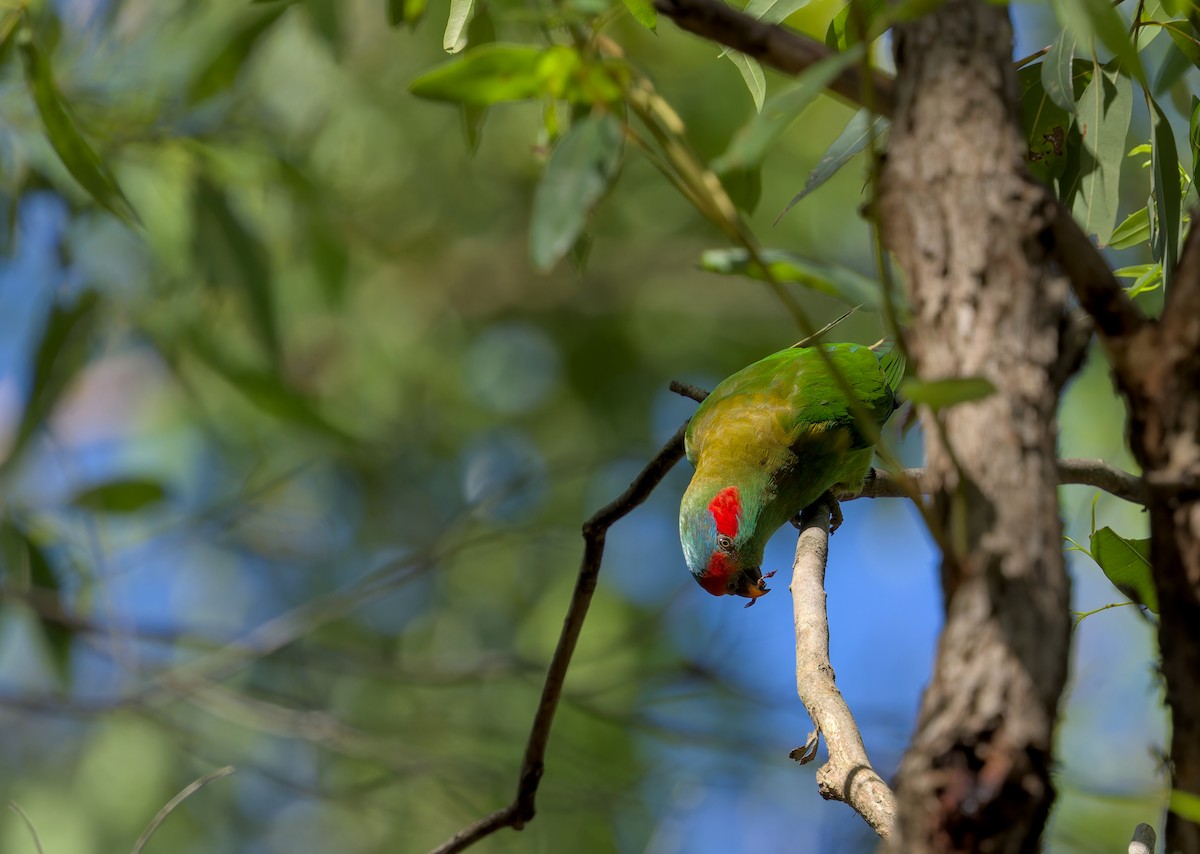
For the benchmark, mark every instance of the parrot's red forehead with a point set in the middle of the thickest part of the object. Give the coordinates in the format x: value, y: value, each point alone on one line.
x: 726, y: 507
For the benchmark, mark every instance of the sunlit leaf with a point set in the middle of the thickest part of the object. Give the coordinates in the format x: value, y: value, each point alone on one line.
x: 939, y: 394
x: 827, y: 278
x: 845, y: 31
x: 774, y: 11
x: 854, y: 138
x: 485, y: 75
x: 751, y: 142
x: 1185, y: 805
x: 1057, y: 71
x: 66, y: 139
x: 1168, y: 196
x: 580, y: 169
x: 455, y: 37
x: 1099, y: 20
x: 120, y: 496
x: 644, y: 13
x: 1134, y: 271
x: 1135, y: 229
x: 1126, y: 563
x: 62, y: 350
x: 1105, y: 109
x: 752, y: 73
x: 220, y: 72
x: 227, y: 249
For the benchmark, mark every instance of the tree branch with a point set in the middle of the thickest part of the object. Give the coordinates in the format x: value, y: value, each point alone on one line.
x: 517, y: 814
x: 848, y: 775
x: 778, y: 47
x: 1078, y: 472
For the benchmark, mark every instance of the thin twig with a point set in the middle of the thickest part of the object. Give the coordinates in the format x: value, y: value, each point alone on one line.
x: 517, y: 814
x: 848, y: 775
x: 1144, y: 840
x: 188, y: 790
x: 37, y: 842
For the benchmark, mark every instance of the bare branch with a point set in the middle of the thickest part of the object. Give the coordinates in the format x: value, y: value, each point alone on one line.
x: 1144, y: 840
x: 517, y: 814
x: 188, y: 790
x: 848, y: 775
x: 1076, y: 472
x: 772, y: 45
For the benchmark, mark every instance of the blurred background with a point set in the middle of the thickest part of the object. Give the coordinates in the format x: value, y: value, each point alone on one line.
x: 316, y: 441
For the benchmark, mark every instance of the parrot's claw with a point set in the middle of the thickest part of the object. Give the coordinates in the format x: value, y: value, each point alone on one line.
x: 835, y: 510
x: 771, y: 574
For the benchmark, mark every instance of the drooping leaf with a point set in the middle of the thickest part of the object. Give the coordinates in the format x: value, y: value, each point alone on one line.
x: 752, y: 73
x: 1185, y: 804
x: 1099, y: 20
x: 644, y: 13
x: 455, y: 37
x: 61, y: 352
x: 1168, y: 195
x: 485, y: 75
x: 1194, y: 136
x: 66, y: 139
x: 854, y: 138
x: 1126, y: 563
x: 1134, y: 230
x: 120, y: 496
x: 939, y: 394
x: 1105, y: 109
x: 228, y: 251
x: 326, y: 21
x: 407, y: 12
x: 751, y: 142
x: 854, y: 20
x: 785, y: 267
x: 1174, y: 65
x: 581, y: 167
x: 1045, y: 124
x: 220, y: 72
x: 1058, y: 71
x: 45, y: 590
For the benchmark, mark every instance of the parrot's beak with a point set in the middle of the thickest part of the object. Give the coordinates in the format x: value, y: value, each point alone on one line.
x: 751, y: 586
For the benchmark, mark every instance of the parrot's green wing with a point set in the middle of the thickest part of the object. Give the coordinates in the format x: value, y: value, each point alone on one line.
x: 791, y: 398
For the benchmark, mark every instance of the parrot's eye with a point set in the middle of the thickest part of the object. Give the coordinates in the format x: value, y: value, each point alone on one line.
x: 724, y: 543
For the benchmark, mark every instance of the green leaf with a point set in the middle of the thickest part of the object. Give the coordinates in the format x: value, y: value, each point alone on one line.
x: 120, y: 496
x: 227, y: 250
x: 1150, y: 280
x: 455, y: 37
x: 644, y: 13
x: 1194, y: 135
x: 845, y: 31
x: 61, y: 352
x: 486, y: 75
x: 1093, y: 20
x: 1105, y: 109
x: 1135, y: 271
x: 1134, y: 230
x: 751, y: 142
x: 1058, y: 72
x: 752, y: 73
x: 66, y: 139
x: 46, y: 598
x: 1045, y: 124
x: 1168, y: 195
x: 1185, y: 804
x: 774, y: 11
x: 1126, y: 563
x: 744, y: 187
x: 854, y: 138
x: 1174, y: 65
x: 831, y: 279
x: 407, y: 12
x: 939, y: 394
x: 578, y: 174
x: 222, y: 70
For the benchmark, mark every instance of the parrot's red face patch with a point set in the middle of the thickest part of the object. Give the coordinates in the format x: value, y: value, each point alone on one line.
x: 726, y: 510
x: 716, y: 579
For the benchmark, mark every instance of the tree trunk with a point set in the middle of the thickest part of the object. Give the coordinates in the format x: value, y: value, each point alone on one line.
x: 963, y: 218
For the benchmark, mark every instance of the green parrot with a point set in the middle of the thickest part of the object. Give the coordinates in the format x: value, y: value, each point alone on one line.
x: 769, y: 441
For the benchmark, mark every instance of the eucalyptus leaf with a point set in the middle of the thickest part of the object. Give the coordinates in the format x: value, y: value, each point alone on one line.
x: 751, y: 142
x: 485, y: 75
x: 1126, y: 563
x: 579, y: 172
x: 1168, y: 195
x: 1057, y: 71
x: 68, y: 142
x: 49, y: 604
x: 644, y: 13
x: 222, y: 69
x: 1092, y: 20
x: 121, y: 496
x: 1105, y: 110
x: 1134, y: 230
x: 854, y: 138
x: 752, y: 73
x: 455, y: 37
x: 940, y: 394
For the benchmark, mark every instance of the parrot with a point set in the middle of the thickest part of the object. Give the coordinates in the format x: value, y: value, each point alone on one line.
x: 770, y: 440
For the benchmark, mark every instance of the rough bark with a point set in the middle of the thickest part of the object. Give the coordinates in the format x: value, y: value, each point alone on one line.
x: 963, y: 219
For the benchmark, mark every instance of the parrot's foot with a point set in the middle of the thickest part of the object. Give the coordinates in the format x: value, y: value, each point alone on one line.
x: 835, y: 510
